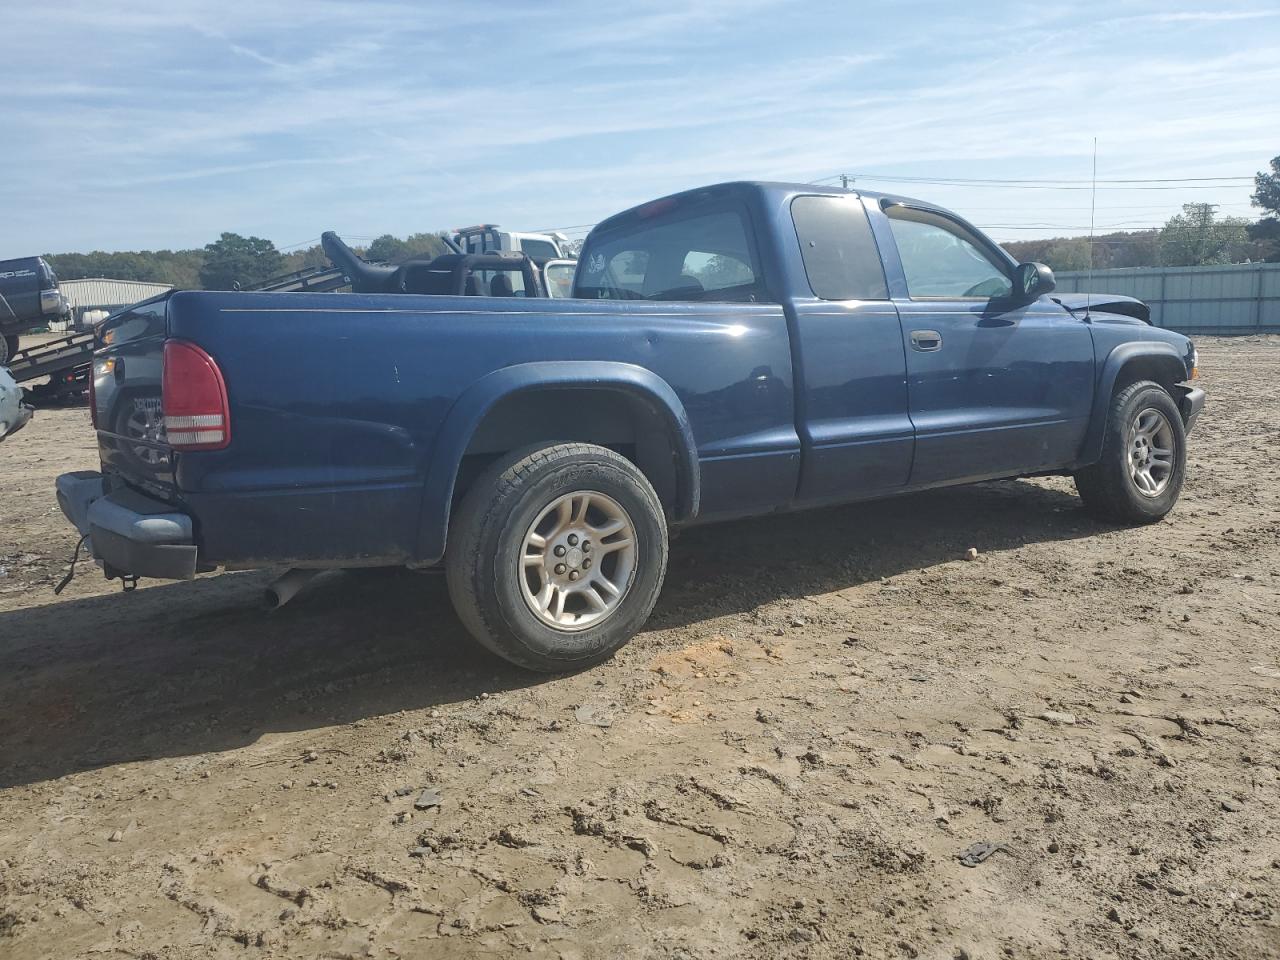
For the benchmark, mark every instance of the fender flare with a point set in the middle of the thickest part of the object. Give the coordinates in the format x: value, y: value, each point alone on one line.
x: 1116, y: 361
x: 471, y: 407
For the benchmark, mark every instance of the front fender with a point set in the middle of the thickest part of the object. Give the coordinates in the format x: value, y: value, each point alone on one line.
x: 1141, y: 351
x: 470, y: 409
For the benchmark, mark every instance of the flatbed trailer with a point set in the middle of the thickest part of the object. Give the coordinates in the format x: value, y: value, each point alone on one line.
x: 310, y: 279
x: 66, y: 361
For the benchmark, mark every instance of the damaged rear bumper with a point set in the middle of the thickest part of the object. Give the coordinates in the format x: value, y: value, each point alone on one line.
x: 130, y: 534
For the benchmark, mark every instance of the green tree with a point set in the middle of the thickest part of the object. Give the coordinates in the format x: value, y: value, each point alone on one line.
x: 1198, y: 237
x: 1068, y: 255
x: 427, y: 244
x: 1267, y: 189
x: 395, y: 250
x: 387, y: 248
x: 1125, y: 248
x: 306, y: 258
x: 235, y: 259
x: 181, y: 268
x: 1266, y: 232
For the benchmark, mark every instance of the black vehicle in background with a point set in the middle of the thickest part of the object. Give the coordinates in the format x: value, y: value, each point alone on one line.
x: 29, y: 298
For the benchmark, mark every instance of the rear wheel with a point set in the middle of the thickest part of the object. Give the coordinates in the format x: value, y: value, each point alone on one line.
x: 1144, y: 457
x: 8, y: 347
x: 557, y: 555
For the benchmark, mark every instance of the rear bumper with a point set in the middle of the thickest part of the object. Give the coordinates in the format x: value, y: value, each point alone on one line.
x: 1191, y: 403
x: 131, y: 534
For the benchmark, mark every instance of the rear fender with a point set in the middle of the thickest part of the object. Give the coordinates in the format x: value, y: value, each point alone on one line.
x: 469, y: 411
x: 1146, y: 359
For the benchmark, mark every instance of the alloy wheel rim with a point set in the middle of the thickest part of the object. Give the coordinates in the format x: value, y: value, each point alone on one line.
x: 145, y: 423
x: 1150, y: 452
x: 577, y: 560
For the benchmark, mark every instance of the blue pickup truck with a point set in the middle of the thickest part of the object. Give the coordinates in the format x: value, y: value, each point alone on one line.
x: 729, y: 351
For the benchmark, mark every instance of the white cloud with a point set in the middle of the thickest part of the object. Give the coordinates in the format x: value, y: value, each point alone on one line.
x: 178, y: 119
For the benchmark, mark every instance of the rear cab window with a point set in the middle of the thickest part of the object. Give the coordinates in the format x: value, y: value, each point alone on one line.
x: 839, y: 252
x: 680, y: 248
x: 143, y: 320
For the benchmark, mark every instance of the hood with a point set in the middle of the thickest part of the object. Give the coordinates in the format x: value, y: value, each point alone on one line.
x: 1105, y: 303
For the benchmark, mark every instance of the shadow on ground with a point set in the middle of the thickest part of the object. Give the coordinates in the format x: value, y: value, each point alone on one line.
x: 188, y: 668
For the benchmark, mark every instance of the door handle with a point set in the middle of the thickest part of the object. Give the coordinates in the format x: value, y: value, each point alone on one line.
x: 926, y: 341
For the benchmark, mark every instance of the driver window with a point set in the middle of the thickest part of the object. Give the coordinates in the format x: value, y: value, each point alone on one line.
x: 940, y: 261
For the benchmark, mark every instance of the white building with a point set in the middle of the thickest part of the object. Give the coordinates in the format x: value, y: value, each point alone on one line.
x: 92, y: 300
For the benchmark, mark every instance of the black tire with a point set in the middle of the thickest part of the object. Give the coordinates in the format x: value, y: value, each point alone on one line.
x: 487, y: 540
x: 8, y: 347
x: 1108, y: 487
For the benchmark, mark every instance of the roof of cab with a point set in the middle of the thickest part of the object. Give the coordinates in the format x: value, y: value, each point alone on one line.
x: 770, y: 189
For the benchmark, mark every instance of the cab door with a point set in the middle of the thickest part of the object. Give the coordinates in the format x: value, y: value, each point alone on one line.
x: 996, y: 387
x: 847, y: 343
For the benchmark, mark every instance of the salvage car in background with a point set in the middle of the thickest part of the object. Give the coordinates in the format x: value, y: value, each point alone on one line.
x: 14, y: 413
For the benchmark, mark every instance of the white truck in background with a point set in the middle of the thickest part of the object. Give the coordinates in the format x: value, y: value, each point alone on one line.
x: 554, y: 253
x: 489, y: 238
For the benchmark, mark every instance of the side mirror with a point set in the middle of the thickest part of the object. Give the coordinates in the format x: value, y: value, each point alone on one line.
x: 1032, y: 280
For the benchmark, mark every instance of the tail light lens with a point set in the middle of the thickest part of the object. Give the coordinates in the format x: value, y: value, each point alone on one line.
x: 194, y: 398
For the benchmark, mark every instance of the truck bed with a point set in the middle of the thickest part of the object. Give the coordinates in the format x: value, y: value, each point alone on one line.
x: 345, y: 406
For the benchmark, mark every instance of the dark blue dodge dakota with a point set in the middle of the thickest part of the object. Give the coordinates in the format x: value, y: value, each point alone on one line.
x: 729, y: 351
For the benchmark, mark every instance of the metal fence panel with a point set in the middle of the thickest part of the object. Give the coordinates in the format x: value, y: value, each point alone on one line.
x: 1232, y: 298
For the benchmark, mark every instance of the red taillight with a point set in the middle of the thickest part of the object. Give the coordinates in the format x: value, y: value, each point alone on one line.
x: 196, y: 413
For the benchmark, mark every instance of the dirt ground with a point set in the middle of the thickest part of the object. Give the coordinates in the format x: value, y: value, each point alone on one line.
x: 826, y: 711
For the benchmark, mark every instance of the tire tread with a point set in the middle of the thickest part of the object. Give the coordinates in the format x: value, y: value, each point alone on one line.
x: 1102, y: 486
x: 489, y: 495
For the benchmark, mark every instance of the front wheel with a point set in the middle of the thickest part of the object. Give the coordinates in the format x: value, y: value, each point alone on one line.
x: 1144, y: 457
x: 557, y: 555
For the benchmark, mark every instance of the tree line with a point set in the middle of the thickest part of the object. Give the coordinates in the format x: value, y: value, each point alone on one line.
x: 231, y: 259
x: 1193, y: 238
x: 1197, y: 236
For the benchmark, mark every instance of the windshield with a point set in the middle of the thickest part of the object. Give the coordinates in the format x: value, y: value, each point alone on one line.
x: 704, y: 254
x: 542, y: 249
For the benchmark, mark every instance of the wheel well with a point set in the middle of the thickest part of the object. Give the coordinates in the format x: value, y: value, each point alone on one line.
x: 620, y: 421
x: 1164, y: 370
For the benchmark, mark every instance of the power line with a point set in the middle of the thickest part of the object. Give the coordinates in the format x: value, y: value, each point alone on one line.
x: 1050, y: 182
x: 576, y: 226
x: 1118, y: 227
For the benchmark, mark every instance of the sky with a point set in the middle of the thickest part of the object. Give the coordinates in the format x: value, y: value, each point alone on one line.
x: 149, y: 125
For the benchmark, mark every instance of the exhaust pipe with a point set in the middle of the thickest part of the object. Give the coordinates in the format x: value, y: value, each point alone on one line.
x: 286, y: 587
